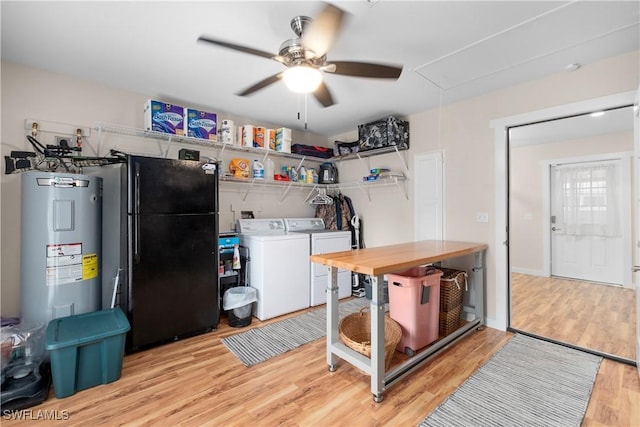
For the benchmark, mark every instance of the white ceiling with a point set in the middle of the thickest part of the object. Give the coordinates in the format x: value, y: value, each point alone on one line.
x: 449, y: 49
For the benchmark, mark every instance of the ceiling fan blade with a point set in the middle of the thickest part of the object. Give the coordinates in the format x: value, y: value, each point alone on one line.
x: 240, y: 48
x: 323, y: 95
x: 261, y: 84
x: 364, y: 69
x: 320, y: 34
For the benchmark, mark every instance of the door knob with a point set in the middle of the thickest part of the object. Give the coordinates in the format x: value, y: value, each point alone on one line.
x: 555, y: 229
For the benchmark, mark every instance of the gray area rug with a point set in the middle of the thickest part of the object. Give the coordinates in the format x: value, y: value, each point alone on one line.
x: 529, y: 382
x: 259, y: 344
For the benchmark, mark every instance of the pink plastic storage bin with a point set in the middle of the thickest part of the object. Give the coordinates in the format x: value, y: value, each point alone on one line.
x: 414, y: 302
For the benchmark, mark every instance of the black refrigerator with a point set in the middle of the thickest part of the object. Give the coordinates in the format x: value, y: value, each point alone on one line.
x: 171, y: 286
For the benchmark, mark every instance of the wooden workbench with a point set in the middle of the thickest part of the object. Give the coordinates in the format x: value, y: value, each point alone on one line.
x: 377, y: 262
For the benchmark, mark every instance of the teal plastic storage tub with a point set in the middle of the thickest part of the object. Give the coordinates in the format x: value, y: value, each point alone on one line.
x: 86, y: 350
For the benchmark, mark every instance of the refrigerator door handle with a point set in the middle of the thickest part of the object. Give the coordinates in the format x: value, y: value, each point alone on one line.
x: 136, y: 202
x: 136, y: 216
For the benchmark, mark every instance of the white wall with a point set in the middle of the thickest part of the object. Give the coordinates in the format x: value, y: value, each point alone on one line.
x: 460, y: 129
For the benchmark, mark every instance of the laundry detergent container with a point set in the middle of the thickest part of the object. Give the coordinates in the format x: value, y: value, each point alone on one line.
x: 414, y: 302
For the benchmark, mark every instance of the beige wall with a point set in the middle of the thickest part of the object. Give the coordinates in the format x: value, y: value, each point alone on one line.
x: 47, y: 97
x: 464, y: 136
x: 462, y: 130
x: 526, y: 191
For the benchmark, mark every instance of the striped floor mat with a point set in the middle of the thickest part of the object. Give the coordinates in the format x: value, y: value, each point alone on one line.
x: 259, y: 344
x: 529, y: 382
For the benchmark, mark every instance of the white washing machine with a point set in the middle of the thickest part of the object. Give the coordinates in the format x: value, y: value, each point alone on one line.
x: 323, y: 241
x: 278, y: 266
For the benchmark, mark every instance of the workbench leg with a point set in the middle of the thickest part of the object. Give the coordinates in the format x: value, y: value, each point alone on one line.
x: 479, y: 276
x: 332, y: 315
x: 377, y: 338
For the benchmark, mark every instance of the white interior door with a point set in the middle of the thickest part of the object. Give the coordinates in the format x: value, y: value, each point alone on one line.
x: 586, y: 221
x: 428, y: 187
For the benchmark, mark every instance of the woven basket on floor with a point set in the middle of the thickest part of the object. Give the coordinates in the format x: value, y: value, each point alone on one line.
x: 355, y: 332
x: 452, y: 286
x: 449, y: 321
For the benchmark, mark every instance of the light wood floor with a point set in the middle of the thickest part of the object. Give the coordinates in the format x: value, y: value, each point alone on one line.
x: 590, y: 315
x: 197, y: 381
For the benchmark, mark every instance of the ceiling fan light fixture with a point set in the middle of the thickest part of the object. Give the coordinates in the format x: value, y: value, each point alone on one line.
x: 302, y: 78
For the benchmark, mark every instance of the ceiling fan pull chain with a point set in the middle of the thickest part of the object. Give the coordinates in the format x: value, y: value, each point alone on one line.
x: 305, y: 111
x: 298, y: 106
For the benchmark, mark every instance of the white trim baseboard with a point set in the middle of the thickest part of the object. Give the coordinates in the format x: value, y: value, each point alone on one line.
x: 529, y: 272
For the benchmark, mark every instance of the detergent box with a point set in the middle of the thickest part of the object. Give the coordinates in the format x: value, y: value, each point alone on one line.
x: 239, y: 168
x: 259, y: 134
x: 164, y: 117
x: 270, y: 139
x: 200, y: 124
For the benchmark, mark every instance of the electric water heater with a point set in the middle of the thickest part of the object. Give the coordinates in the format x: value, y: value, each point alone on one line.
x: 61, y: 241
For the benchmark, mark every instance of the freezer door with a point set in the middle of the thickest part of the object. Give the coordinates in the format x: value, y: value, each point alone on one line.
x: 173, y: 283
x: 163, y: 186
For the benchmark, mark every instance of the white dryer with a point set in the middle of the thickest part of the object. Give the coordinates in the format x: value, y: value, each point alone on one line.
x: 323, y: 241
x: 278, y: 266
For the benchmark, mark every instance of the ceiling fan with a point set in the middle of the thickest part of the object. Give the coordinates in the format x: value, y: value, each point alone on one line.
x: 305, y: 57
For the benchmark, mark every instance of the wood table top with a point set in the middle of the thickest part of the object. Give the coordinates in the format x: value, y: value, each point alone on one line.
x: 390, y: 258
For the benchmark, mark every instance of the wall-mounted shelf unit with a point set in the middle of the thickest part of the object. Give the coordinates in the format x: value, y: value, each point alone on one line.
x: 362, y: 155
x: 169, y: 139
x: 252, y: 184
x: 365, y: 186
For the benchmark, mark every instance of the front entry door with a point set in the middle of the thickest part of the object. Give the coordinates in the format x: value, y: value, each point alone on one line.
x: 586, y: 221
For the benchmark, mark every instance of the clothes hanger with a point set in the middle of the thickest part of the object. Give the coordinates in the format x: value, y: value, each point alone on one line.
x: 321, y: 198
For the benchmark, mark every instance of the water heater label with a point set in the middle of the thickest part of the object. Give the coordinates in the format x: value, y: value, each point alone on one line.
x: 64, y: 250
x: 64, y: 264
x: 89, y: 266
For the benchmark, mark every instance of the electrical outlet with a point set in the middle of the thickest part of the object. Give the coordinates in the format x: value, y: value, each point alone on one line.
x: 482, y: 217
x: 58, y: 140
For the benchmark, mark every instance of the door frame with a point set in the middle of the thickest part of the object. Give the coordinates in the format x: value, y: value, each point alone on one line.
x: 501, y: 127
x: 625, y: 158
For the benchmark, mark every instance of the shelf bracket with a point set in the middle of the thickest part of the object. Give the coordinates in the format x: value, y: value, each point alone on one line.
x: 365, y: 163
x: 405, y: 188
x: 244, y: 199
x: 365, y: 191
x: 403, y: 159
x: 315, y: 187
x: 265, y: 157
x: 301, y: 162
x: 169, y: 142
x: 286, y: 191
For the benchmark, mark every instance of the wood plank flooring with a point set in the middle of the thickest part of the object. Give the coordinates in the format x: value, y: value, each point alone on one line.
x: 197, y: 381
x: 590, y: 315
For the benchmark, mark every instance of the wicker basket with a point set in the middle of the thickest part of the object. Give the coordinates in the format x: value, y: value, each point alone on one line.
x: 452, y: 286
x: 355, y: 332
x: 449, y: 321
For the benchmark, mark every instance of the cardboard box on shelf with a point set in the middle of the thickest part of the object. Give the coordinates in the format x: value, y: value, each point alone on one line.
x: 164, y: 117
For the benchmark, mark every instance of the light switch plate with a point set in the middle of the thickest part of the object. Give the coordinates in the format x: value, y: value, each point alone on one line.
x: 482, y: 217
